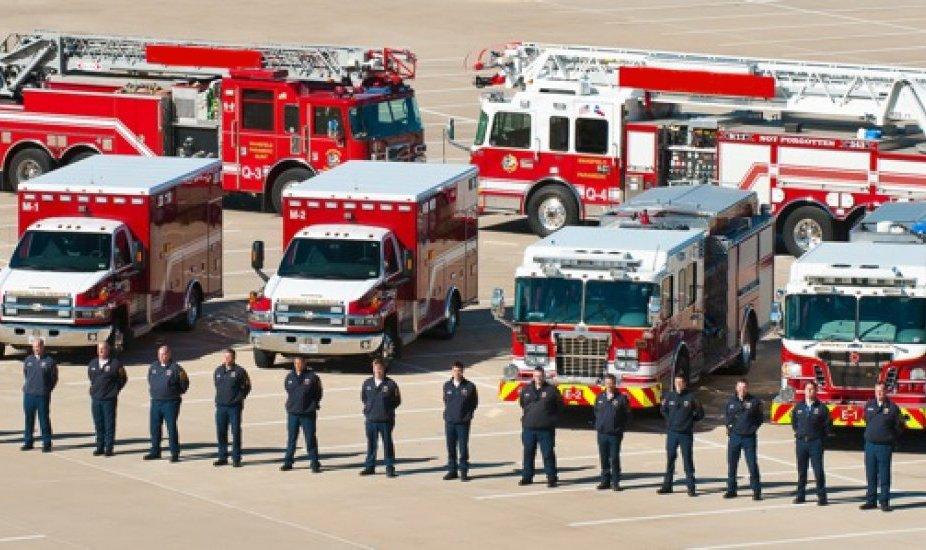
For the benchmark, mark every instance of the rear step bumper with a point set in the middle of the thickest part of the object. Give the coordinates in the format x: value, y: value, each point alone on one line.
x: 315, y: 343
x: 55, y: 336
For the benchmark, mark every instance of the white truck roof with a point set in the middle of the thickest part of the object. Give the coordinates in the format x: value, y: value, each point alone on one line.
x: 898, y: 222
x: 74, y: 224
x: 372, y: 180
x: 860, y: 259
x: 120, y: 175
x: 343, y: 231
x: 581, y: 246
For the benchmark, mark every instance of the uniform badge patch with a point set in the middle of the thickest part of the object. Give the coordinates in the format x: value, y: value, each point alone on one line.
x: 167, y: 372
x: 886, y: 410
x: 106, y: 368
x: 687, y: 403
x: 748, y: 405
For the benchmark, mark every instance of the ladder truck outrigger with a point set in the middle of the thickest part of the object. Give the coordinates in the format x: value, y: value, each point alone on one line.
x: 853, y: 314
x: 273, y: 114
x: 587, y: 128
x: 678, y: 281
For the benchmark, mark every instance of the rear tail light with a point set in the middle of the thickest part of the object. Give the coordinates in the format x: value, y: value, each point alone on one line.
x: 92, y: 306
x: 364, y: 315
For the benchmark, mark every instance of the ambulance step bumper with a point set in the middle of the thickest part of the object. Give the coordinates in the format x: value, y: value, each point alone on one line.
x: 55, y: 336
x: 315, y: 343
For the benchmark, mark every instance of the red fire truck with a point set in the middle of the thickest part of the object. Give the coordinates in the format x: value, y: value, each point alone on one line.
x: 590, y: 127
x: 109, y: 248
x: 375, y: 255
x: 679, y: 280
x: 273, y: 114
x: 855, y: 314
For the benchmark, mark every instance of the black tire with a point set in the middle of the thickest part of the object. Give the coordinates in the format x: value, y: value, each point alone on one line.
x: 747, y: 354
x: 120, y: 339
x: 803, y: 224
x: 192, y: 311
x: 284, y: 180
x: 2, y: 351
x: 559, y: 210
x: 81, y: 156
x: 27, y: 164
x: 391, y: 348
x: 682, y: 365
x: 264, y: 359
x: 448, y: 328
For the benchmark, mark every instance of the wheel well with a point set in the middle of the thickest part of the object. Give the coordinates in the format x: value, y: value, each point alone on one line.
x: 783, y: 215
x: 570, y: 190
x: 76, y: 150
x: 752, y: 323
x: 21, y: 147
x: 279, y: 169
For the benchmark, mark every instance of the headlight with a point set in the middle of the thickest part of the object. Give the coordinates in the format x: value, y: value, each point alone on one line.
x: 10, y: 299
x: 536, y: 349
x: 535, y: 360
x: 918, y: 374
x: 621, y: 352
x: 368, y: 321
x: 629, y: 366
x: 9, y: 311
x: 510, y: 372
x: 632, y: 353
x: 261, y: 316
x: 282, y: 307
x: 790, y: 369
x: 97, y: 313
x: 786, y: 394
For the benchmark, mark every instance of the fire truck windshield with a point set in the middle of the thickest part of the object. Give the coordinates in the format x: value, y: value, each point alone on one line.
x: 331, y: 259
x: 884, y: 319
x: 820, y: 317
x: 618, y: 303
x: 551, y: 300
x: 892, y: 319
x: 63, y: 251
x: 385, y: 118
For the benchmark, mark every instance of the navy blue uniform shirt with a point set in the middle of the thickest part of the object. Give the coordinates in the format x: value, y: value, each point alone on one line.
x: 611, y: 414
x: 167, y: 382
x: 232, y: 385
x: 811, y: 421
x: 460, y: 402
x: 107, y: 378
x: 303, y: 392
x: 681, y: 411
x: 743, y: 417
x: 883, y: 423
x: 541, y: 406
x: 380, y: 401
x: 41, y: 375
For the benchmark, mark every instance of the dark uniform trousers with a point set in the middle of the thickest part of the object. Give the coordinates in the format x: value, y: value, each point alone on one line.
x: 307, y: 423
x: 674, y: 442
x: 457, y: 439
x: 37, y: 405
x: 375, y: 431
x: 104, y: 422
x: 546, y: 439
x: 165, y: 411
x: 746, y: 445
x: 609, y: 451
x: 810, y: 450
x: 878, y: 471
x: 228, y: 416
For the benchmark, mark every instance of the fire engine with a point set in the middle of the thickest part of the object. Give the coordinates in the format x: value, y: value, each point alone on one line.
x: 678, y: 281
x: 854, y: 314
x: 589, y: 127
x: 274, y: 114
x: 111, y: 247
x: 376, y: 254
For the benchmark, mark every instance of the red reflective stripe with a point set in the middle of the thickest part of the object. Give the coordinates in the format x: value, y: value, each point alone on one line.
x: 818, y: 172
x: 755, y: 172
x: 780, y: 411
x: 697, y: 82
x: 203, y: 56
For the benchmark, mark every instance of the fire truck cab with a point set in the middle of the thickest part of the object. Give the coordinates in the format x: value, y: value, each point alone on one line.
x: 678, y: 280
x: 854, y: 314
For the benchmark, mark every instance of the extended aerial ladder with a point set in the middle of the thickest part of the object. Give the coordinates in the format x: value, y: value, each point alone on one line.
x: 27, y: 60
x: 880, y: 94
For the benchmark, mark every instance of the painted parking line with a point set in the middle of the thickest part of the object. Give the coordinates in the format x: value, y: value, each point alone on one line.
x: 656, y: 517
x: 835, y: 536
x: 363, y: 444
x: 21, y: 538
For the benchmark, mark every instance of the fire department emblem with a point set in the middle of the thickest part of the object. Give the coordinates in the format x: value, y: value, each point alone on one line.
x: 509, y: 163
x: 333, y: 157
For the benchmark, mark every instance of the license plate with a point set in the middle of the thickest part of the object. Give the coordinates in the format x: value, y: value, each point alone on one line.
x: 308, y: 348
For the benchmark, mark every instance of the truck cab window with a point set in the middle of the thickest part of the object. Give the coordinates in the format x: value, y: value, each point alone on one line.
x: 257, y: 110
x: 559, y: 133
x: 291, y: 119
x: 668, y: 303
x: 592, y: 136
x: 122, y: 254
x: 692, y: 283
x: 322, y: 118
x: 511, y: 130
x: 390, y: 263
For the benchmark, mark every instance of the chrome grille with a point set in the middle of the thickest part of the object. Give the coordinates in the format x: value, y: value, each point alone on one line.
x: 37, y: 306
x: 312, y: 315
x: 581, y: 355
x: 846, y: 373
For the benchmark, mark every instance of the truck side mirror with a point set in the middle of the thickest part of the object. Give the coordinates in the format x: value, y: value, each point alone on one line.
x: 257, y: 255
x: 334, y: 130
x: 498, y: 303
x: 408, y: 264
x: 654, y: 309
x: 451, y: 129
x: 776, y: 315
x: 138, y: 255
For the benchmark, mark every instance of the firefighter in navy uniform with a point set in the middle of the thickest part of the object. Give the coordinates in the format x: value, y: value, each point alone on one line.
x: 743, y: 414
x: 541, y: 403
x: 304, y: 396
x: 40, y: 372
x: 167, y: 382
x: 612, y: 414
x: 460, y: 402
x: 883, y: 425
x: 811, y: 422
x: 107, y: 378
x: 681, y: 410
x: 232, y: 386
x: 380, y: 396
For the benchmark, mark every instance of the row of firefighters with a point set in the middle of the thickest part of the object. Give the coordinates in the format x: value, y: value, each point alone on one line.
x: 540, y: 402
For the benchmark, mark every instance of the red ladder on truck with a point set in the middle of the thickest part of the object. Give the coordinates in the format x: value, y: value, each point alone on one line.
x: 28, y: 59
x: 876, y: 94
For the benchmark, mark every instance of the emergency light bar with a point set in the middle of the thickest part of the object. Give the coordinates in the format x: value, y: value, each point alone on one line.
x: 579, y: 263
x: 896, y: 282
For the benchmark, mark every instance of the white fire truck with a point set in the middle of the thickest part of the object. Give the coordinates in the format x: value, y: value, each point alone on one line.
x: 589, y: 127
x: 111, y: 247
x: 375, y: 255
x: 274, y: 114
x: 855, y: 314
x: 679, y: 280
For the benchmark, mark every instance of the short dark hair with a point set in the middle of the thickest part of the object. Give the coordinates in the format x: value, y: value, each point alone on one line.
x: 610, y: 377
x: 681, y: 376
x: 379, y: 362
x: 232, y: 352
x: 811, y: 383
x: 742, y: 381
x: 882, y: 384
x: 457, y: 365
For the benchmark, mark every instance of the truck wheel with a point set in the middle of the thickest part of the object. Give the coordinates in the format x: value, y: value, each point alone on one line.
x: 449, y: 326
x: 28, y: 164
x: 805, y: 226
x: 192, y: 310
x: 391, y: 348
x: 283, y: 181
x: 120, y: 336
x: 551, y: 208
x: 682, y: 365
x: 747, y: 352
x: 264, y: 359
